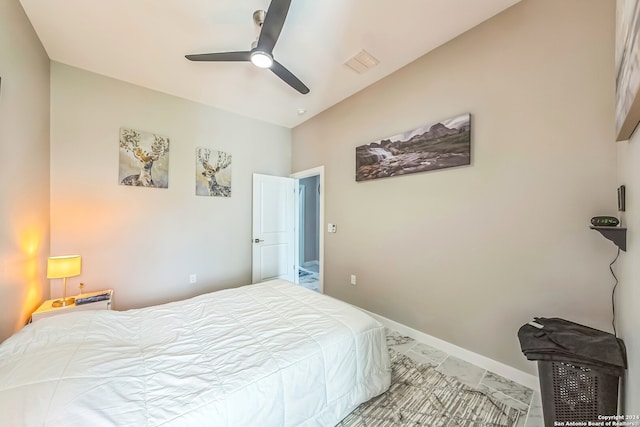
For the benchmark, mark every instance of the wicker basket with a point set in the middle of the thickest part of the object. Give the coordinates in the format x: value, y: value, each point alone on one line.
x: 571, y: 392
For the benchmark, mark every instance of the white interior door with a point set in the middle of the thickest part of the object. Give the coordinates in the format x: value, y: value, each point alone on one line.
x: 273, y: 228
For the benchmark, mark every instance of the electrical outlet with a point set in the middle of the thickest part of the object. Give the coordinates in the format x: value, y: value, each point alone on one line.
x: 353, y: 279
x: 193, y: 278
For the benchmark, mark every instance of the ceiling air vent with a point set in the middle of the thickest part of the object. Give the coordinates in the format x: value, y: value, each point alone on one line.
x: 362, y: 62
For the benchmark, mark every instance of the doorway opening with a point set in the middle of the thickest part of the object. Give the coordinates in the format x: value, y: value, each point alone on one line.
x: 310, y: 239
x: 309, y: 233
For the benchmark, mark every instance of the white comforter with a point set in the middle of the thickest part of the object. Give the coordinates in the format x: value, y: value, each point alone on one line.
x: 272, y: 354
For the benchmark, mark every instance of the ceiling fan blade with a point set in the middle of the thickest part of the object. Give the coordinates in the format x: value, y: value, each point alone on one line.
x: 220, y: 56
x: 273, y: 23
x: 288, y: 77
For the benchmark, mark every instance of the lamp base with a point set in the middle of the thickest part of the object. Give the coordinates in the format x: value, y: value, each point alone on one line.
x: 63, y: 302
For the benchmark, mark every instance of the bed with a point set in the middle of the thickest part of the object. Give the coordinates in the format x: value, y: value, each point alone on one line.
x: 270, y: 354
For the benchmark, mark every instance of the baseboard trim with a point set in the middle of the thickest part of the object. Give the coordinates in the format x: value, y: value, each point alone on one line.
x: 484, y: 362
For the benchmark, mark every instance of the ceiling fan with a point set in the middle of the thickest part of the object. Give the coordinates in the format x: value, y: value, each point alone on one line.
x: 261, y: 53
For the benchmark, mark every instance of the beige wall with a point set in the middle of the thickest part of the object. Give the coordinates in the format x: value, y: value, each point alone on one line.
x: 628, y: 291
x: 470, y: 254
x: 145, y: 242
x: 24, y: 168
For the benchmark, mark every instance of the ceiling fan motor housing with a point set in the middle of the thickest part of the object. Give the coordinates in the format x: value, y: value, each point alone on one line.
x: 258, y: 17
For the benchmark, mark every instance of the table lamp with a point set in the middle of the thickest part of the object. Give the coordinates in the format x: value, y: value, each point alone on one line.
x: 61, y: 267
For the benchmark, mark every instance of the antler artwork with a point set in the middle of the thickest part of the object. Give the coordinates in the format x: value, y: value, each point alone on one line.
x: 212, y: 166
x: 130, y: 140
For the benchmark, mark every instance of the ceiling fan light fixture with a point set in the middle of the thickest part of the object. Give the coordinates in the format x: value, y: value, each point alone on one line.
x: 261, y: 59
x: 260, y: 53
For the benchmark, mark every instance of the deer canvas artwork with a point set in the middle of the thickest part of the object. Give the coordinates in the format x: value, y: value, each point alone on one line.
x: 213, y: 173
x: 144, y: 159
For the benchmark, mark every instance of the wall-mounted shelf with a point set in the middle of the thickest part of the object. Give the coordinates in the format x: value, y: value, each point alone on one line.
x: 617, y: 235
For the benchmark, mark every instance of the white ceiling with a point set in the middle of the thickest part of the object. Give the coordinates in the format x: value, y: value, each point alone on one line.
x: 144, y: 42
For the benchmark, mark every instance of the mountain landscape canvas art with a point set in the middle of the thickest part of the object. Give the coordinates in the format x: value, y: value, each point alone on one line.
x: 433, y: 146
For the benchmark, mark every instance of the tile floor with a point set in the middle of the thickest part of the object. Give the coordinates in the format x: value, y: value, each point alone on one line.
x: 502, y: 389
x: 310, y: 278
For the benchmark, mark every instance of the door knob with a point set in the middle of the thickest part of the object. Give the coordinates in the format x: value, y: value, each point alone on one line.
x: 258, y: 240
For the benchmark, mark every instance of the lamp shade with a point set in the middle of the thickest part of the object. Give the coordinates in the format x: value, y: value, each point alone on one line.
x: 59, y: 267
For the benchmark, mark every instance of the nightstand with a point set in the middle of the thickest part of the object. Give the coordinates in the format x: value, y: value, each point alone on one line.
x: 47, y: 310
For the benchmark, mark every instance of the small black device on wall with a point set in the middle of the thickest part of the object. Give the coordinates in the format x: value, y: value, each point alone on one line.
x: 604, y: 221
x: 621, y: 197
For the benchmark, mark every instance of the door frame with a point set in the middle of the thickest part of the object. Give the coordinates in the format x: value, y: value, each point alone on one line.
x: 317, y: 171
x: 300, y: 211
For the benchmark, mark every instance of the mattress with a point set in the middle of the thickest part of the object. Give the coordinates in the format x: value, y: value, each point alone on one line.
x: 271, y: 354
